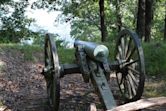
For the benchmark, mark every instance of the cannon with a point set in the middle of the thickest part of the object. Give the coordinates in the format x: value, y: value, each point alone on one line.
x: 93, y: 62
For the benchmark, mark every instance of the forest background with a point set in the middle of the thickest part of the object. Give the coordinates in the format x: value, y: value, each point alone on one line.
x: 95, y: 20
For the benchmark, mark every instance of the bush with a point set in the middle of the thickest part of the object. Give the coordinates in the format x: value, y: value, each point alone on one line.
x: 66, y: 55
x: 155, y: 60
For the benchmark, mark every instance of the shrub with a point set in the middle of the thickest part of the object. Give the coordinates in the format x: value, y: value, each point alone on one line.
x: 155, y: 59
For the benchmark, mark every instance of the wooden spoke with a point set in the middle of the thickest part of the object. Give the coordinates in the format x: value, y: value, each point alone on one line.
x: 132, y: 85
x: 129, y: 46
x: 120, y: 52
x: 133, y: 70
x: 133, y: 78
x: 123, y: 48
x: 131, y: 62
x: 130, y: 54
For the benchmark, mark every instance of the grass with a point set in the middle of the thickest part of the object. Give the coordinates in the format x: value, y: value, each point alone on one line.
x: 154, y: 52
x: 155, y: 87
x: 30, y: 53
x: 36, y: 52
x: 2, y: 65
x: 66, y: 55
x: 1, y: 104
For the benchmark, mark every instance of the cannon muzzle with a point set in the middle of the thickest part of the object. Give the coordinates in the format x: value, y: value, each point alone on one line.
x: 93, y: 50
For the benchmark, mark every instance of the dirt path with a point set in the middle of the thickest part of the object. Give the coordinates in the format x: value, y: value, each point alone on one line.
x: 23, y: 88
x: 21, y: 84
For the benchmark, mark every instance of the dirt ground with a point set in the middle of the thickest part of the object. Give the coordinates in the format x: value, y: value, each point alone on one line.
x: 23, y: 88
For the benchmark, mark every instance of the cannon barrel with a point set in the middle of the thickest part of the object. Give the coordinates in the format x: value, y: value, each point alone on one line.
x: 93, y: 50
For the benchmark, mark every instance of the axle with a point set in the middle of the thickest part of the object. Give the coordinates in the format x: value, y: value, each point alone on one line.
x: 69, y: 69
x: 75, y: 68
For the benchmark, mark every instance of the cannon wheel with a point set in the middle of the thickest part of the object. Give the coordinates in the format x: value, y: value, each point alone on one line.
x: 53, y: 73
x: 131, y: 69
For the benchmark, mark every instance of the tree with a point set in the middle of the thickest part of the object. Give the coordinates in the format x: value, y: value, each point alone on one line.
x: 165, y: 26
x: 140, y: 28
x: 118, y: 15
x: 148, y: 19
x: 15, y: 25
x: 84, y: 16
x: 4, y: 1
x: 103, y: 27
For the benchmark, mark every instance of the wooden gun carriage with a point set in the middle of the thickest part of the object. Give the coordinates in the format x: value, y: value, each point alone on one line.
x: 94, y: 64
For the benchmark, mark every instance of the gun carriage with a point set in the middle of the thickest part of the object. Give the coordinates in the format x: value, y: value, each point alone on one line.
x: 94, y: 64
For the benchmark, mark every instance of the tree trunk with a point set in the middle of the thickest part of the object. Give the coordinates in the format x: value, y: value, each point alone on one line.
x: 103, y: 28
x: 165, y: 26
x: 148, y: 19
x: 118, y: 15
x: 140, y: 28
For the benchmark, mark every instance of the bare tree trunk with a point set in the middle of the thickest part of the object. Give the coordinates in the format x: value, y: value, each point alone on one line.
x: 140, y: 28
x: 103, y: 28
x: 165, y: 26
x: 148, y: 19
x: 118, y: 15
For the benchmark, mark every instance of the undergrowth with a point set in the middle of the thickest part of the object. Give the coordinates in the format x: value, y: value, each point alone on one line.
x: 30, y: 53
x: 154, y: 53
x: 155, y: 59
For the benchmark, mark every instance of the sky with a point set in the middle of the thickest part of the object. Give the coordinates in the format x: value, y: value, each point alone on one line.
x: 46, y: 20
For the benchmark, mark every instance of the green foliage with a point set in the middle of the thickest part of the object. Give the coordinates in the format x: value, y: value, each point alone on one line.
x: 85, y: 19
x: 158, y: 20
x: 154, y: 53
x: 39, y: 37
x: 14, y: 24
x: 4, y: 1
x: 1, y: 103
x: 155, y: 60
x: 84, y: 23
x: 35, y: 53
x: 30, y: 53
x: 66, y: 55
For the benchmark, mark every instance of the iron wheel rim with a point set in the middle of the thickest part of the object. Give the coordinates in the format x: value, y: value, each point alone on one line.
x: 131, y: 74
x: 53, y: 75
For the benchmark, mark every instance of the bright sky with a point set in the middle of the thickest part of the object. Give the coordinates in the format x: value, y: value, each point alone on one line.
x: 46, y: 20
